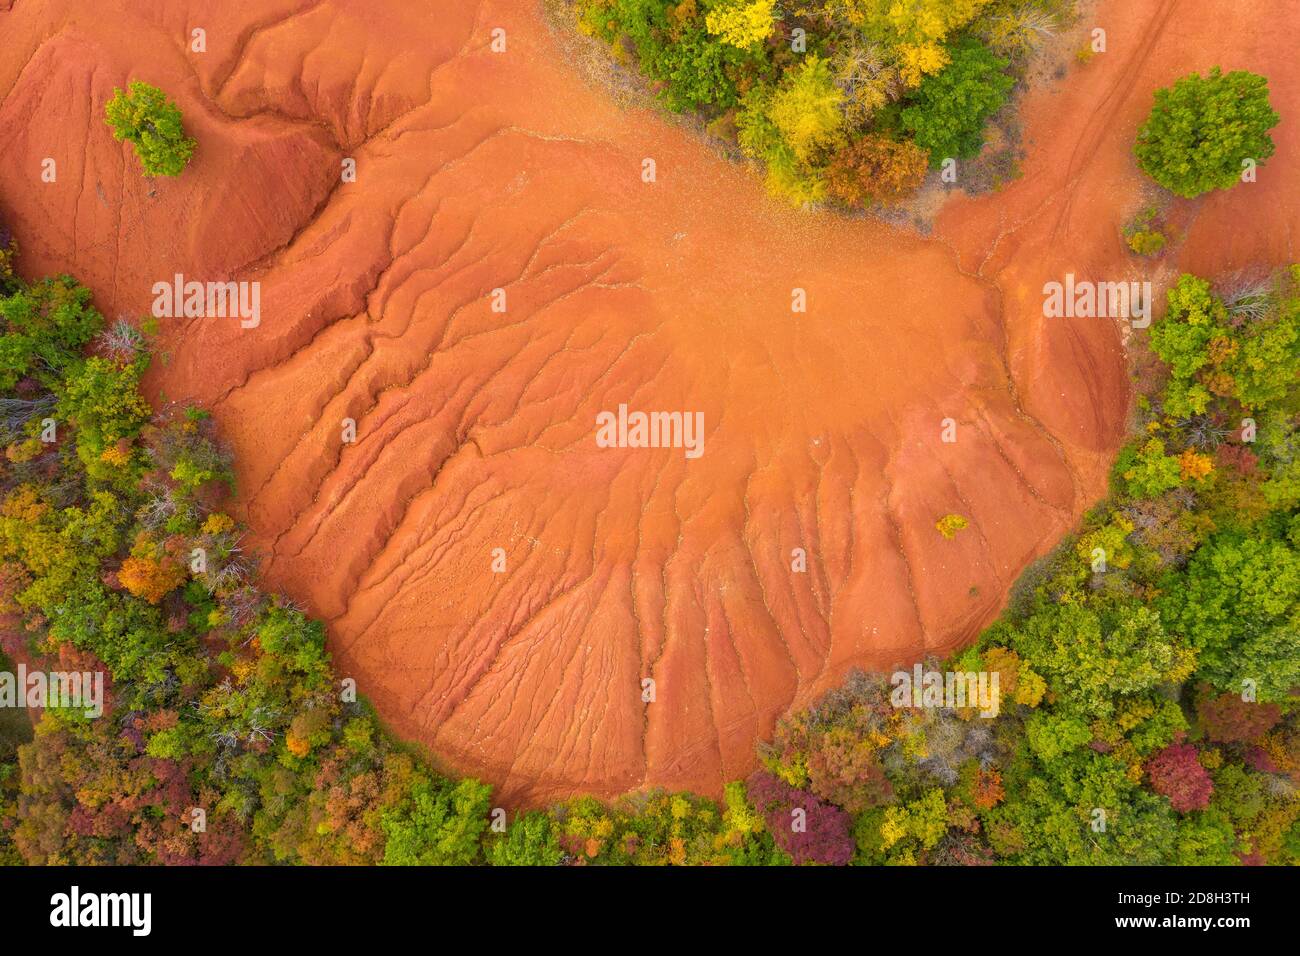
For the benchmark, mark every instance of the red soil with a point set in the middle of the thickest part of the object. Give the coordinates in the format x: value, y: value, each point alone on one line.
x: 475, y: 430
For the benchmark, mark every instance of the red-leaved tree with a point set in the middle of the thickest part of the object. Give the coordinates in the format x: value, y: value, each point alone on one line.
x: 1228, y: 719
x: 1176, y: 773
x: 809, y: 829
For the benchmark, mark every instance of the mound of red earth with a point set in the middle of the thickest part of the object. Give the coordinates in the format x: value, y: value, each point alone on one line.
x: 499, y: 583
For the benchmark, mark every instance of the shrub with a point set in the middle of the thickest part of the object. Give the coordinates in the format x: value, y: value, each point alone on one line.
x: 949, y: 525
x: 1202, y: 129
x: 8, y: 251
x: 151, y: 123
x: 1146, y: 242
x: 876, y: 169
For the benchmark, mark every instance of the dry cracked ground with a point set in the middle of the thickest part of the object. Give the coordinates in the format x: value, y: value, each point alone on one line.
x: 475, y: 428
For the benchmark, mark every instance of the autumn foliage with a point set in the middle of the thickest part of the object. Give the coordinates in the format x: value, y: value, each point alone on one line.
x: 1157, y: 685
x: 1176, y: 772
x: 1227, y: 718
x: 876, y: 169
x: 842, y: 100
x: 150, y: 579
x: 809, y: 829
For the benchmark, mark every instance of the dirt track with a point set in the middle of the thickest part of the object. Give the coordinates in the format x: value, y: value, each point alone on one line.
x: 475, y: 429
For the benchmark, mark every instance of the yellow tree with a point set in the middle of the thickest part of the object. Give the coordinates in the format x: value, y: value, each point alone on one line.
x: 149, y: 579
x: 806, y: 109
x: 742, y: 23
x: 915, y: 30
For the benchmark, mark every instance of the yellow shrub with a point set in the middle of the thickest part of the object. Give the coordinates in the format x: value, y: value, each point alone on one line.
x: 217, y: 523
x: 949, y: 525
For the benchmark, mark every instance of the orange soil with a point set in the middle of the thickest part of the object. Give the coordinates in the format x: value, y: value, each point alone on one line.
x: 475, y: 430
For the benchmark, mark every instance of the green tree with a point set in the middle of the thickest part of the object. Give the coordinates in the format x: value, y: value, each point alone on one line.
x: 674, y: 47
x: 1054, y: 808
x: 1050, y: 735
x: 1090, y: 658
x: 144, y: 117
x: 529, y: 841
x: 1264, y: 364
x: 907, y: 829
x: 1203, y: 130
x: 1248, y: 350
x: 43, y: 328
x: 914, y: 31
x: 1182, y: 339
x: 1239, y: 606
x: 947, y: 113
x: 101, y: 397
x: 1279, y: 447
x: 438, y: 823
x: 1145, y: 471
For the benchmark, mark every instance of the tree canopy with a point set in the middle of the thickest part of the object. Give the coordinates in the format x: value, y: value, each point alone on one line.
x: 1204, y: 130
x: 149, y: 121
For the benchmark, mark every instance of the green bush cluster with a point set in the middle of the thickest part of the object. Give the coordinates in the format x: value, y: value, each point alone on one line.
x: 840, y: 100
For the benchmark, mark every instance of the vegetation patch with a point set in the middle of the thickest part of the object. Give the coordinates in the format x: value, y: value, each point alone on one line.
x: 1207, y: 132
x: 845, y: 101
x: 1146, y: 672
x: 144, y: 117
x: 1145, y: 233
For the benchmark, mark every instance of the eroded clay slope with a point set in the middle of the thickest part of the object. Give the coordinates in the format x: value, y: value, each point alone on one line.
x: 475, y: 429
